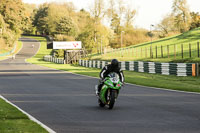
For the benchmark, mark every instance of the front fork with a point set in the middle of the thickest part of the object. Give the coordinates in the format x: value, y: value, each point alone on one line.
x: 106, y: 93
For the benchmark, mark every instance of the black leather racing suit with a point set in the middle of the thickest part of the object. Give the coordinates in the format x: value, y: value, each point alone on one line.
x: 108, y: 69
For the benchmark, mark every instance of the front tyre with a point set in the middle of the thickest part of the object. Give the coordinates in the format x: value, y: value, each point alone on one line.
x: 112, y: 99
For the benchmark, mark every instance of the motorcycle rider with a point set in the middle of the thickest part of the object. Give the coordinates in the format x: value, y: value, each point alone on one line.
x: 113, y: 67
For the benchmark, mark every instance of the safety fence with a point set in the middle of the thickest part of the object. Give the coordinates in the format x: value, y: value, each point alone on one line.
x: 178, y: 69
x: 50, y: 58
x: 174, y: 51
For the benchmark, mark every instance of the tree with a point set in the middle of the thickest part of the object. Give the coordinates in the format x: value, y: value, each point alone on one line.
x: 87, y: 37
x: 98, y: 12
x: 182, y: 15
x: 51, y: 18
x: 14, y: 17
x: 40, y: 19
x: 195, y: 20
x: 56, y: 12
x: 82, y: 18
x: 121, y: 17
x: 121, y: 8
x: 66, y: 26
x: 28, y: 28
x: 13, y: 13
x: 167, y: 25
x: 116, y: 24
x: 111, y: 10
x: 2, y: 29
x: 2, y: 25
x: 129, y: 16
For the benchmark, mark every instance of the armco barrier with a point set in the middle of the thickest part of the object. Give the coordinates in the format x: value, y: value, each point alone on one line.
x: 178, y: 69
x: 50, y: 58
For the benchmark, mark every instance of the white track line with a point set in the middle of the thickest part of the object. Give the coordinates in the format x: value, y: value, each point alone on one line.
x: 29, y: 116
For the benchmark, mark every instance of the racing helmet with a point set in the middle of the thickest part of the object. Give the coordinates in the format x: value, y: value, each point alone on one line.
x: 114, y: 63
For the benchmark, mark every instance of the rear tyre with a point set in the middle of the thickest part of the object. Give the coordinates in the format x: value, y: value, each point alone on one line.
x: 112, y: 99
x: 101, y: 104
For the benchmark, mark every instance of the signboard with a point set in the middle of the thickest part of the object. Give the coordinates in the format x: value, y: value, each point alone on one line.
x: 67, y: 45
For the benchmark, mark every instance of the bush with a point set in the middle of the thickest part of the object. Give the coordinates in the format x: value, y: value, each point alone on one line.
x: 133, y: 37
x: 10, y: 37
x: 2, y: 43
x: 60, y: 37
x: 130, y: 37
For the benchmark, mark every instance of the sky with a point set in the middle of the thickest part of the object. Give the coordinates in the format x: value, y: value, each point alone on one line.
x: 149, y: 12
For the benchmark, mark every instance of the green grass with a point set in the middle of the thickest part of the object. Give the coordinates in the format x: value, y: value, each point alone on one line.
x: 142, y: 51
x: 14, y: 121
x: 191, y: 84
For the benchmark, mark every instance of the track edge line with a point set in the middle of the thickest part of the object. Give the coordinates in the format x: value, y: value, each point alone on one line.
x: 29, y: 116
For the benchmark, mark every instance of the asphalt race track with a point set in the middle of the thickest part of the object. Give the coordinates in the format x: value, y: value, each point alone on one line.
x: 66, y: 102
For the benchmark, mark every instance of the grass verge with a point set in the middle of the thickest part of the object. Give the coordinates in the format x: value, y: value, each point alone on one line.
x: 191, y: 84
x: 14, y: 121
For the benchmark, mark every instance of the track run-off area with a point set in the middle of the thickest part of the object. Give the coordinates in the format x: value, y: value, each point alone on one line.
x: 66, y: 102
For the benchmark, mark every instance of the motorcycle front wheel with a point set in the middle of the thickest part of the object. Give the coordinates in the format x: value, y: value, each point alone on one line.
x: 111, y: 99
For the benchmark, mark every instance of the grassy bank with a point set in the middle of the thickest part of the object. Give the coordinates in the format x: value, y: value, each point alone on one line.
x: 166, y: 50
x: 14, y: 121
x: 19, y: 46
x: 191, y: 84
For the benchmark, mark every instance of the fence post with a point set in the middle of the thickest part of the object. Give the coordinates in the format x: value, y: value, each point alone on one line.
x: 136, y: 52
x: 145, y: 52
x: 168, y: 50
x: 198, y: 49
x: 150, y: 51
x: 182, y: 50
x: 174, y: 51
x: 133, y: 52
x: 112, y: 53
x: 129, y: 53
x: 197, y: 69
x: 156, y: 51
x: 120, y: 52
x: 190, y: 50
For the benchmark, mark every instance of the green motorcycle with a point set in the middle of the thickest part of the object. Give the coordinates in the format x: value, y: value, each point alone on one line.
x: 109, y: 91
